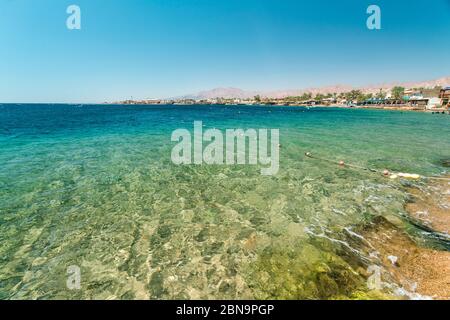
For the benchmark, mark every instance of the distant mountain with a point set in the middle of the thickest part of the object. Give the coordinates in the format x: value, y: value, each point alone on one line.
x: 227, y: 93
x: 236, y: 93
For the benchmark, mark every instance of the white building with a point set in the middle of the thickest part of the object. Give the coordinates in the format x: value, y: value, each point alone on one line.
x: 434, y: 103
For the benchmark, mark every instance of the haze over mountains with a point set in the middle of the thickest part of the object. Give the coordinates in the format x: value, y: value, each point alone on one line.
x: 230, y: 93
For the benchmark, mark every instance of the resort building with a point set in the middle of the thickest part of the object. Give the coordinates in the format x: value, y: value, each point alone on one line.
x: 418, y: 102
x: 152, y: 101
x: 415, y: 99
x: 411, y: 93
x: 445, y: 97
x: 434, y: 103
x: 329, y: 101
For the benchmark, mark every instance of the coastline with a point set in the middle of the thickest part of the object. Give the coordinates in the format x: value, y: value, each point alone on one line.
x: 401, y: 107
x: 420, y: 269
x: 337, y: 106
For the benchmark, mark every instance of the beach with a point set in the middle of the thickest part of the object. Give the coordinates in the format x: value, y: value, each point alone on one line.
x: 94, y: 186
x: 422, y: 269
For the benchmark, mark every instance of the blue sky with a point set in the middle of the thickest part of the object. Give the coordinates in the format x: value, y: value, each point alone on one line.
x: 165, y: 48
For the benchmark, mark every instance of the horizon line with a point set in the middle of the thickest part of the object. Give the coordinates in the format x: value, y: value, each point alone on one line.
x: 256, y: 91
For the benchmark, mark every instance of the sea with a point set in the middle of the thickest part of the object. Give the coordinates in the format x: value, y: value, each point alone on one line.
x: 93, y: 207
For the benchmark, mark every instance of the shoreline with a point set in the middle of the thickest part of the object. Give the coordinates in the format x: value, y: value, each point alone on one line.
x: 438, y: 110
x: 368, y: 107
x: 337, y: 106
x: 421, y: 271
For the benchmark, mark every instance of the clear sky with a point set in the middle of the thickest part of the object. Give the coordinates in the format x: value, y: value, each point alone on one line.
x: 166, y: 48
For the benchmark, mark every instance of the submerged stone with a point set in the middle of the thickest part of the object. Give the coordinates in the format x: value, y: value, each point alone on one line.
x: 156, y: 285
x: 301, y: 271
x: 446, y: 163
x: 164, y: 231
x: 202, y: 235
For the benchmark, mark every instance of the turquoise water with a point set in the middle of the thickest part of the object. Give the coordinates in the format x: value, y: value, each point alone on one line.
x: 94, y: 186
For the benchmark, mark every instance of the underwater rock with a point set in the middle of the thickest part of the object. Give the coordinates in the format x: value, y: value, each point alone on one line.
x: 164, y: 231
x: 424, y: 267
x: 446, y: 163
x: 202, y: 235
x: 301, y: 271
x: 393, y: 260
x: 156, y: 285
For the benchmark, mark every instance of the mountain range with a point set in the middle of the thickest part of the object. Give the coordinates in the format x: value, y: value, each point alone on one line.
x: 236, y: 93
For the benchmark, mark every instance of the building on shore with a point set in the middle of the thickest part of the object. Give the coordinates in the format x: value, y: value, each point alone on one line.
x: 434, y: 103
x: 432, y: 99
x: 445, y: 97
x: 413, y: 94
x: 418, y: 102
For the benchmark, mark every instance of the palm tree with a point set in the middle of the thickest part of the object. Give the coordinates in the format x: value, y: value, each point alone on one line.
x: 380, y: 95
x: 319, y: 97
x: 398, y: 92
x: 306, y: 96
x: 354, y: 95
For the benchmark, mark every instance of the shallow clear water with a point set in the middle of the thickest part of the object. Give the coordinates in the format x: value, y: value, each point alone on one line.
x: 94, y: 186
